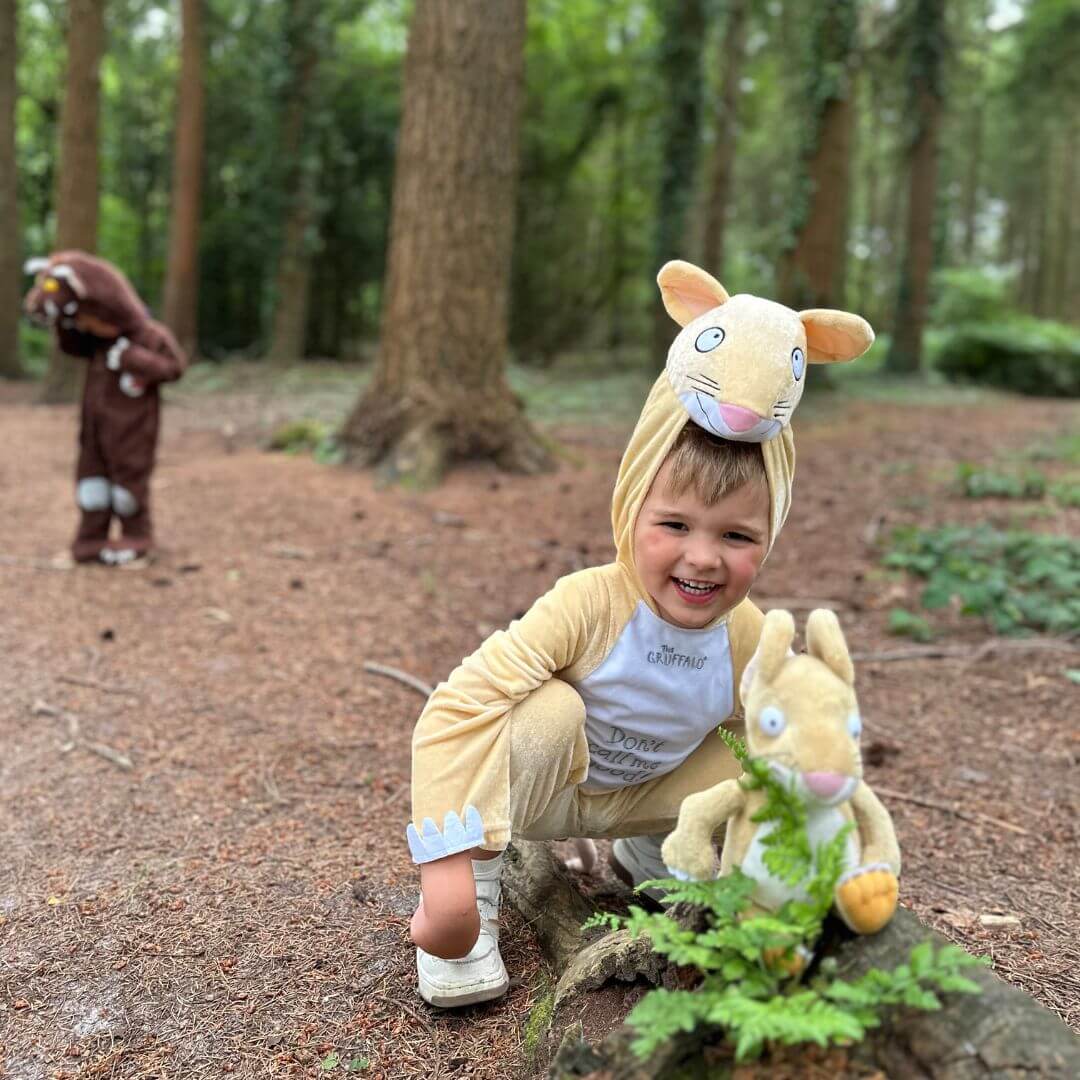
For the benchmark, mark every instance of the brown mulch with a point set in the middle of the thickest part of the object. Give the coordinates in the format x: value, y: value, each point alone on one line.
x: 237, y: 900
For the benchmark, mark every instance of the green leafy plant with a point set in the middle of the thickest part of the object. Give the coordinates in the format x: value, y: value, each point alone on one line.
x: 743, y: 956
x: 980, y: 483
x: 309, y: 436
x: 908, y: 624
x: 1015, y: 580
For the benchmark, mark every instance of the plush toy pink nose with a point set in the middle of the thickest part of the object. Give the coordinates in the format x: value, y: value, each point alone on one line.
x: 823, y: 784
x: 739, y: 419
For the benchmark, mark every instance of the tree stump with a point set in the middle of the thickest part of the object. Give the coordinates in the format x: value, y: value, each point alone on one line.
x: 1002, y: 1034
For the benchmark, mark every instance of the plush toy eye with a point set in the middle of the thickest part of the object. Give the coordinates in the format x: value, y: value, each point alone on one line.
x: 772, y: 721
x: 798, y: 363
x: 854, y: 725
x: 707, y: 340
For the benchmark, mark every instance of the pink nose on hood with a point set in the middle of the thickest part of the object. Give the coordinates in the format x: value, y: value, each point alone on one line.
x: 739, y: 419
x: 824, y: 784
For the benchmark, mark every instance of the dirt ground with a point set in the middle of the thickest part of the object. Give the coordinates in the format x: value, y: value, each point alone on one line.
x: 203, y: 868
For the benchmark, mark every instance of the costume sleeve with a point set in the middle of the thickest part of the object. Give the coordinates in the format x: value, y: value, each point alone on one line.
x: 460, y: 749
x: 154, y: 356
x: 745, y: 633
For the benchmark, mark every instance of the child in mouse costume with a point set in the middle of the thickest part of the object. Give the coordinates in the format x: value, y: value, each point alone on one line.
x: 802, y: 719
x: 596, y: 713
x: 97, y: 315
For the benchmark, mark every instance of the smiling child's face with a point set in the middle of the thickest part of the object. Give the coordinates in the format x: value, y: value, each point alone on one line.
x: 697, y: 561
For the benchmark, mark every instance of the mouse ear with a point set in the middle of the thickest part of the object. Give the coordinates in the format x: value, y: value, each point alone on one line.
x: 63, y: 272
x: 825, y: 640
x: 832, y: 336
x: 688, y: 291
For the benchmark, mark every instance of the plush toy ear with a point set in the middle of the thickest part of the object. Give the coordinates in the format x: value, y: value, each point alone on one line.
x: 63, y: 272
x: 832, y: 336
x: 777, y: 633
x: 825, y: 640
x: 688, y: 291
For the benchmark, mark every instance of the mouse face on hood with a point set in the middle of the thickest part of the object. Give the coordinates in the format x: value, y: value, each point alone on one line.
x: 76, y: 291
x: 739, y: 366
x: 736, y: 369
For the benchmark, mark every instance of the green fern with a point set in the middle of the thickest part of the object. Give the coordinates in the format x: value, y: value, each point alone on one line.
x: 745, y: 990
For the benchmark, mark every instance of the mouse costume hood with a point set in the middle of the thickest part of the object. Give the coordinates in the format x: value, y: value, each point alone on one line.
x: 642, y: 695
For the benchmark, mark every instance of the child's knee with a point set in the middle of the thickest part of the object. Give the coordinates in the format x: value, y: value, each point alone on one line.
x: 551, y: 721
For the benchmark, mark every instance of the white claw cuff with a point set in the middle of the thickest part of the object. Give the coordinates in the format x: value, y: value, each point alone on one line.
x: 428, y: 844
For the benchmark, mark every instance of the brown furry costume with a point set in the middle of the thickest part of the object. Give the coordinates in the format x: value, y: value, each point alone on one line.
x: 97, y: 315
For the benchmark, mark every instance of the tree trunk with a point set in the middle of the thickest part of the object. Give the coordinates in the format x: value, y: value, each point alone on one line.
x: 996, y: 1035
x: 293, y: 287
x: 1059, y: 269
x: 439, y: 389
x: 812, y: 273
x: 10, y: 245
x: 971, y: 186
x: 905, y: 354
x: 182, y: 277
x: 77, y: 179
x: 680, y: 51
x: 727, y: 126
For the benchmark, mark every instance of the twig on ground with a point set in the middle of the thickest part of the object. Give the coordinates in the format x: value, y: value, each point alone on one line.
x: 801, y: 603
x: 93, y: 684
x: 934, y: 804
x: 36, y: 564
x: 109, y: 754
x: 972, y: 654
x: 402, y: 676
x: 43, y: 708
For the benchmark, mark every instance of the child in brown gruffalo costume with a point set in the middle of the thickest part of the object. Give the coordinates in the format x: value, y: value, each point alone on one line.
x: 97, y: 315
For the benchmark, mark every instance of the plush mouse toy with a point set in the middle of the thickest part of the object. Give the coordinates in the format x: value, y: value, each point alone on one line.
x: 97, y: 315
x: 802, y: 718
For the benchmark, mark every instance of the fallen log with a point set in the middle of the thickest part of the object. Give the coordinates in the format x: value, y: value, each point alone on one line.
x: 576, y: 1030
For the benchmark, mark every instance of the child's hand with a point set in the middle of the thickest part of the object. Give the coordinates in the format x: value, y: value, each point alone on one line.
x: 447, y: 921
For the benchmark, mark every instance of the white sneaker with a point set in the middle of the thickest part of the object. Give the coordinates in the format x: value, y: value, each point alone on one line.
x: 480, y: 975
x: 635, y: 859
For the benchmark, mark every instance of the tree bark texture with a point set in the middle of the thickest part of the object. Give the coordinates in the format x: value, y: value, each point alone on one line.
x: 927, y: 72
x: 727, y: 126
x: 680, y: 60
x: 182, y: 276
x: 10, y: 270
x: 1000, y: 1034
x: 77, y: 178
x: 812, y: 271
x: 439, y: 389
x: 293, y: 289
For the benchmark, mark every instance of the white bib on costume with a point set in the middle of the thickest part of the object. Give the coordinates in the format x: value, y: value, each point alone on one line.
x: 653, y: 700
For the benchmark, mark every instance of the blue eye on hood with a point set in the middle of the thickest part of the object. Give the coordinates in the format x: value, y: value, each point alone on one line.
x: 707, y: 340
x: 798, y: 363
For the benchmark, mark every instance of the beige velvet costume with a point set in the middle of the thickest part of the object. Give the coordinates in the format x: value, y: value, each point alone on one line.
x: 503, y: 746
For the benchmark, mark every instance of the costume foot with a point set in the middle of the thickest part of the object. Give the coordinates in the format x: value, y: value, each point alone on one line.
x: 84, y: 551
x: 480, y: 975
x: 866, y: 897
x: 122, y: 551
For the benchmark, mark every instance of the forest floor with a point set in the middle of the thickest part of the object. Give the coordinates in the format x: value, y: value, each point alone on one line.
x: 203, y: 794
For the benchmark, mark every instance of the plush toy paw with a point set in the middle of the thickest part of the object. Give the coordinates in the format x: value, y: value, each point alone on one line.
x: 689, y: 858
x: 792, y: 962
x: 866, y: 897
